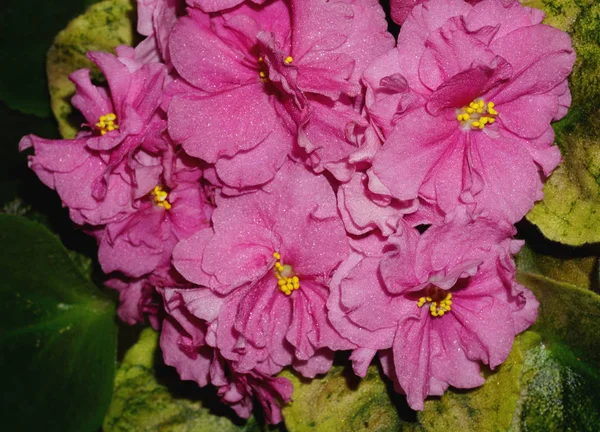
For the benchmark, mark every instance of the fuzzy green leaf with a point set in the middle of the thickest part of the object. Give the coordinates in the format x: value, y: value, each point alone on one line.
x: 570, y: 210
x: 57, y: 335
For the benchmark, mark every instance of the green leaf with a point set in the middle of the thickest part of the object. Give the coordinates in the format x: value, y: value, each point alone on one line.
x: 57, y: 335
x: 142, y: 401
x: 101, y: 28
x: 26, y: 31
x: 570, y: 210
x: 566, y: 264
x: 567, y: 313
x: 340, y: 402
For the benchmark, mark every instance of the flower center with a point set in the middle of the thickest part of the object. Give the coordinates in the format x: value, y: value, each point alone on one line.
x: 263, y: 70
x: 286, y: 277
x: 440, y: 301
x: 107, y: 123
x: 160, y: 197
x: 477, y: 114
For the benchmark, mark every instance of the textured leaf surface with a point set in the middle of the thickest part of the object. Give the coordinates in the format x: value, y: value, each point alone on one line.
x: 101, y: 28
x: 142, y: 401
x: 567, y: 266
x: 57, y: 335
x: 26, y: 31
x: 570, y: 210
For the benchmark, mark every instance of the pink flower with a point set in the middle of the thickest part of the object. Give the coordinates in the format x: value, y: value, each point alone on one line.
x: 400, y: 9
x: 434, y: 305
x: 183, y: 342
x: 173, y: 210
x: 155, y: 20
x: 219, y: 5
x: 97, y: 173
x: 138, y: 300
x: 268, y: 264
x: 270, y: 69
x: 481, y: 85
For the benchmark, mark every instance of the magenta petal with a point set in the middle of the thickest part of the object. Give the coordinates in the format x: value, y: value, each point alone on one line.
x: 505, y: 167
x: 90, y: 100
x: 539, y: 65
x: 179, y: 352
x: 206, y: 61
x: 409, y: 154
x: 449, y: 360
x: 412, y: 358
x: 319, y: 363
x: 257, y: 165
x: 529, y: 116
x: 250, y: 247
x: 359, y: 308
x: 187, y: 257
x: 217, y: 135
x: 487, y: 330
x: 201, y: 302
x: 118, y: 77
x: 466, y: 86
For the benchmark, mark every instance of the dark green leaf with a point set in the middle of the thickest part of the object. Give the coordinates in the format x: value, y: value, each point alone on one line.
x: 57, y: 335
x: 26, y: 30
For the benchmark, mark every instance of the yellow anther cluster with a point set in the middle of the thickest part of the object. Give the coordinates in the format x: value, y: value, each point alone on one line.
x: 477, y: 114
x: 286, y: 279
x: 107, y: 123
x: 263, y: 72
x: 288, y: 60
x: 437, y: 308
x: 160, y: 197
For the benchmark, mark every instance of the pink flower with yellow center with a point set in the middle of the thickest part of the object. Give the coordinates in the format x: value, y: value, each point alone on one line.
x: 267, y: 265
x: 465, y: 103
x: 287, y: 71
x: 434, y: 305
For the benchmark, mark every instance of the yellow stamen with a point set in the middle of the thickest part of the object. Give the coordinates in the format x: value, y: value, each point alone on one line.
x: 160, y: 197
x: 440, y: 301
x: 106, y: 123
x: 285, y: 275
x: 477, y: 115
x: 288, y: 60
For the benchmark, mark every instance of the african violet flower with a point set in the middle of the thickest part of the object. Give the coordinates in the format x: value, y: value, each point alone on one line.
x: 285, y: 71
x: 114, y: 157
x: 183, y: 341
x: 173, y: 210
x: 435, y: 304
x: 267, y: 265
x: 480, y: 86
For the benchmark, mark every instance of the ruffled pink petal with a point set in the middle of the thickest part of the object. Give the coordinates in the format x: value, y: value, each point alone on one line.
x: 505, y: 167
x: 543, y: 59
x: 187, y: 257
x: 203, y: 59
x: 257, y: 165
x: 412, y: 358
x: 409, y: 154
x: 359, y: 308
x: 249, y: 247
x: 217, y: 135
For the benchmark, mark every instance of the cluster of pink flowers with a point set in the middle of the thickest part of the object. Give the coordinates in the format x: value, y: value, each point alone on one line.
x: 270, y: 181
